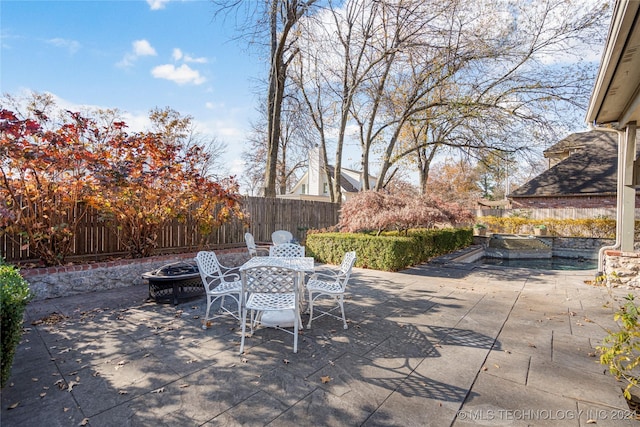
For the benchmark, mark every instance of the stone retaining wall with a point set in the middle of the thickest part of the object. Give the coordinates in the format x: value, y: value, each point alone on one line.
x: 53, y: 282
x: 622, y: 269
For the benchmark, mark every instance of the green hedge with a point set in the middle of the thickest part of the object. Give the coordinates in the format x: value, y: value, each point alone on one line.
x: 14, y: 296
x: 390, y: 251
x: 603, y: 228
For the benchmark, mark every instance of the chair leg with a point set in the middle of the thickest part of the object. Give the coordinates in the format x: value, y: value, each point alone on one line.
x: 206, y: 316
x: 244, y: 328
x: 296, y: 326
x: 344, y: 319
x: 310, y: 305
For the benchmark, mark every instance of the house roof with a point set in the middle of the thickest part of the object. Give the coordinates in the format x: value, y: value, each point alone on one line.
x: 345, y: 184
x: 576, y: 141
x: 615, y: 100
x: 592, y: 170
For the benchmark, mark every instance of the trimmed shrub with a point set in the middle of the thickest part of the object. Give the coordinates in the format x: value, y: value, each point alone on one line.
x: 390, y: 251
x: 14, y: 296
x: 602, y: 228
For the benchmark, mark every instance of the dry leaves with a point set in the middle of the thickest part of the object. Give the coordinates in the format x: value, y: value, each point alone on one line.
x: 51, y: 319
x: 13, y: 406
x: 84, y: 422
x: 325, y: 379
x: 160, y: 390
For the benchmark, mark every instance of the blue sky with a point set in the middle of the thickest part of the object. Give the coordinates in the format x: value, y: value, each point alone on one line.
x: 134, y: 55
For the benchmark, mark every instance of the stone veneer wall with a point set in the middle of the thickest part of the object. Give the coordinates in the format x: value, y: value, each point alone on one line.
x: 622, y: 269
x: 53, y: 282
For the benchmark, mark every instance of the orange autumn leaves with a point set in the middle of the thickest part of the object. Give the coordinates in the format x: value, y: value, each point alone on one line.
x: 52, y: 173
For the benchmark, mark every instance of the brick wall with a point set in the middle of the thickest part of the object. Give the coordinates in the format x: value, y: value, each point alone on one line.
x: 567, y: 202
x: 53, y: 282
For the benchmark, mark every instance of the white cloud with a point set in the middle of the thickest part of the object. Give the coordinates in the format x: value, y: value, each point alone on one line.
x: 71, y: 45
x: 138, y: 48
x: 143, y: 48
x: 200, y: 60
x: 157, y: 4
x: 178, y: 55
x: 180, y: 75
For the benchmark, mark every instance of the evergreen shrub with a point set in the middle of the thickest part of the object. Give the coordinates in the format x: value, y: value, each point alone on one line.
x: 14, y: 296
x: 390, y: 251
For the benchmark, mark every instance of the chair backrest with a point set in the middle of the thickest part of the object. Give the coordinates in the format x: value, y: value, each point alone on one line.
x: 267, y: 280
x: 287, y: 250
x: 251, y: 244
x: 209, y: 267
x: 346, y: 267
x: 279, y: 237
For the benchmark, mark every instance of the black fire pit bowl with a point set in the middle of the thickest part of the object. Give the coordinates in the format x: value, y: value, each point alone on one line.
x: 174, y: 282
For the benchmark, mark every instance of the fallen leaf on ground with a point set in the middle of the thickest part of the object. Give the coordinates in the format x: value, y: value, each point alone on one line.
x: 43, y: 394
x: 244, y: 360
x: 325, y: 379
x: 286, y: 361
x: 160, y: 390
x: 84, y: 422
x: 591, y: 421
x: 71, y: 384
x: 123, y: 392
x: 14, y: 406
x: 484, y: 368
x: 184, y: 385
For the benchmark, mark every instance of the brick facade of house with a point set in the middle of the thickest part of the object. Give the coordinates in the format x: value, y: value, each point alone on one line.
x: 566, y: 202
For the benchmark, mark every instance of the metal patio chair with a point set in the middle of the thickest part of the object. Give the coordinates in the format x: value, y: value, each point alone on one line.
x: 287, y: 250
x: 219, y: 282
x: 332, y: 286
x: 270, y: 289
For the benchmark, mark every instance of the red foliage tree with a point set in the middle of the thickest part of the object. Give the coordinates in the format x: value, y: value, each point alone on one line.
x: 137, y: 182
x: 379, y: 211
x: 45, y: 180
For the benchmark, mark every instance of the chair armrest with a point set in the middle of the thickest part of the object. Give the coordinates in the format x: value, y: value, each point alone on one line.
x: 331, y: 276
x: 230, y: 276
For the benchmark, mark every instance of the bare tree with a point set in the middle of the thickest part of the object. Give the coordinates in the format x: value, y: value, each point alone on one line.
x: 276, y: 19
x: 474, y: 76
x: 293, y: 147
x: 500, y: 75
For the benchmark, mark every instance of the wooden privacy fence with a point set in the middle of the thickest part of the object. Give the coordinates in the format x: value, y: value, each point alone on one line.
x: 96, y: 240
x: 558, y: 213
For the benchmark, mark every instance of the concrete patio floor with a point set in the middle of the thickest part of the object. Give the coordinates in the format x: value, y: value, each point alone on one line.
x: 434, y: 345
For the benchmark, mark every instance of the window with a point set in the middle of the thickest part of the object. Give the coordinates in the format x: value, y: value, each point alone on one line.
x: 303, y: 190
x: 325, y: 189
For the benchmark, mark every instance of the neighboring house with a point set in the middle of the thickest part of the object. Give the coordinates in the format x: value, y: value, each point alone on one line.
x: 314, y: 185
x: 582, y: 174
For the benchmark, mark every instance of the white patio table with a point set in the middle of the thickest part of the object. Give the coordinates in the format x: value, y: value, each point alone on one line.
x: 300, y: 264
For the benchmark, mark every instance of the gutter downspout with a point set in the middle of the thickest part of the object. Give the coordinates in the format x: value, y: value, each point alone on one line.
x: 619, y: 189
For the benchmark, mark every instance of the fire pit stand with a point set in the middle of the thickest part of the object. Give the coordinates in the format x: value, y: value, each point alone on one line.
x: 173, y: 282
